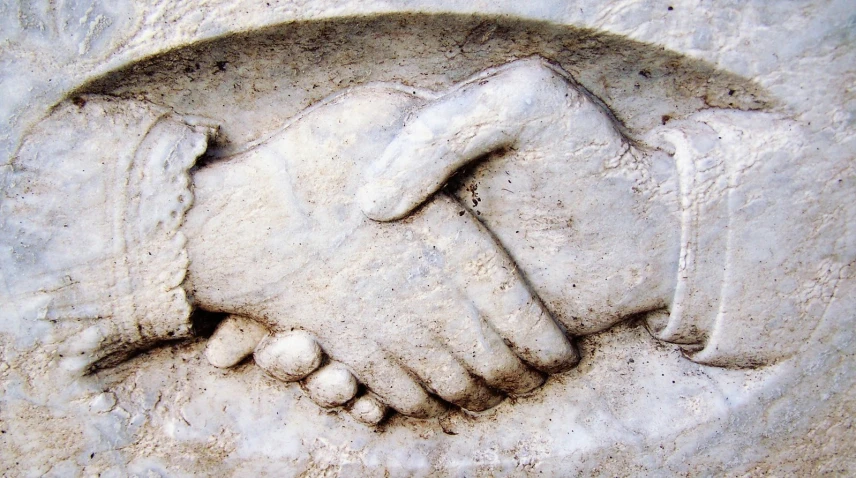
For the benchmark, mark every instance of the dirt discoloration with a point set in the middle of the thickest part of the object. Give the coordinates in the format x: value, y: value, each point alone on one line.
x: 425, y: 51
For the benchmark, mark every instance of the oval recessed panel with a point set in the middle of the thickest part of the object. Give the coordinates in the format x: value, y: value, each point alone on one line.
x: 250, y: 83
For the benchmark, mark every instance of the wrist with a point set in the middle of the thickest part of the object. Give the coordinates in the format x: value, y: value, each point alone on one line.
x: 202, y: 228
x: 239, y: 231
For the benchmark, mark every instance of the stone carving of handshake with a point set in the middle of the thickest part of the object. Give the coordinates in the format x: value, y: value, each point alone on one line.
x: 346, y: 265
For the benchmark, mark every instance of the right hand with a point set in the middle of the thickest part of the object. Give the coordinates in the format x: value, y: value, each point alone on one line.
x: 427, y: 305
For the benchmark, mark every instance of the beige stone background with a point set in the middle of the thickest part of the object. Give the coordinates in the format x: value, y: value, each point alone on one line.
x: 633, y: 407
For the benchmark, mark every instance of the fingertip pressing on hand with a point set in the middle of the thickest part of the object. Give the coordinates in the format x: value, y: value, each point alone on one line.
x: 546, y: 348
x: 368, y: 409
x: 288, y: 356
x: 536, y: 338
x: 234, y: 340
x: 331, y: 386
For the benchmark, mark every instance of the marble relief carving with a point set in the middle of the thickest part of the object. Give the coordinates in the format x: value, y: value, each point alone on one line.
x: 441, y: 301
x: 398, y: 237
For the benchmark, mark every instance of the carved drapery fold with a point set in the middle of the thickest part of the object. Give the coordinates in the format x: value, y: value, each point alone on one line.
x: 91, y: 209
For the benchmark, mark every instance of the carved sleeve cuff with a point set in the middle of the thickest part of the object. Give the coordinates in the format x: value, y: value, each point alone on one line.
x: 91, y: 208
x: 755, y: 277
x: 702, y: 182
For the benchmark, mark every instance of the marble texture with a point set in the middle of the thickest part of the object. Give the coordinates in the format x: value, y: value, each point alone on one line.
x: 768, y: 82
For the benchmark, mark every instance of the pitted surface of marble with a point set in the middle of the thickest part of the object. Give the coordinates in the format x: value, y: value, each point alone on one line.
x: 347, y: 239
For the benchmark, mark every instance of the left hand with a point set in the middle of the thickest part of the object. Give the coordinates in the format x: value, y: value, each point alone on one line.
x: 590, y: 217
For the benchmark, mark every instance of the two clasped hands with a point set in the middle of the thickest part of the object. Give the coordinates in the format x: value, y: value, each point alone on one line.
x: 345, y: 264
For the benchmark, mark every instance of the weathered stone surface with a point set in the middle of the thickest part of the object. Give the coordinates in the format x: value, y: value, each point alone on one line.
x: 671, y: 182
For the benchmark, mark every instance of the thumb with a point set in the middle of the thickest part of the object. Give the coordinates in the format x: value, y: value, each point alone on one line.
x: 472, y: 120
x: 421, y: 159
